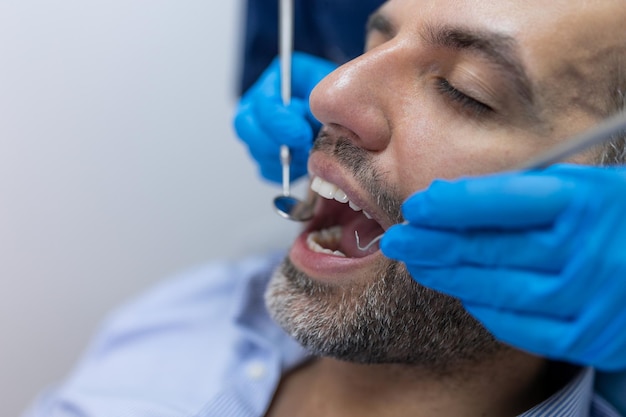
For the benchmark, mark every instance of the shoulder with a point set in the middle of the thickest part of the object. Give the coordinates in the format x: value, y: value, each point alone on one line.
x: 208, y: 286
x: 168, y: 350
x: 196, y: 297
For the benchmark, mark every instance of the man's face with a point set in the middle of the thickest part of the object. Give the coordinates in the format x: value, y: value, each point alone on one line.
x: 445, y: 89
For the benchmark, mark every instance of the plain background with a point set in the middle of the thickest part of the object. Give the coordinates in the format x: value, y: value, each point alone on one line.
x: 118, y: 168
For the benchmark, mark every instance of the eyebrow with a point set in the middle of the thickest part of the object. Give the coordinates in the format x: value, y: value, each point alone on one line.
x: 499, y: 49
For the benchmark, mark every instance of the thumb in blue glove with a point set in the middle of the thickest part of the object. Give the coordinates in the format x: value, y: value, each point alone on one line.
x: 537, y: 257
x: 263, y: 123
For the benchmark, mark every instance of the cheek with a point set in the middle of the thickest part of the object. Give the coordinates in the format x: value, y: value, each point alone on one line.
x: 424, y: 151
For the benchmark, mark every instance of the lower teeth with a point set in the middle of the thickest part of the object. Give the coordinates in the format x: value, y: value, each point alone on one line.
x: 328, y: 237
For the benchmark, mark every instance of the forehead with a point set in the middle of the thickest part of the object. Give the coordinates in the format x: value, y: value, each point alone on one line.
x: 515, y: 16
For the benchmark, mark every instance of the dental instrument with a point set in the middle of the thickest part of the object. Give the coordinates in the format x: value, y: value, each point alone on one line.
x: 286, y: 205
x: 603, y: 132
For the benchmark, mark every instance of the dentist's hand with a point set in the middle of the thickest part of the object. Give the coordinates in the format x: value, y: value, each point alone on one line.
x: 263, y: 123
x: 539, y: 257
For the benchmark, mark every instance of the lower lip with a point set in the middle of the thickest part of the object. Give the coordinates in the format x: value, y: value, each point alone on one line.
x: 329, y: 268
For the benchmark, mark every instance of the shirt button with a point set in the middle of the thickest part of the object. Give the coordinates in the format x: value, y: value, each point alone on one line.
x: 256, y: 371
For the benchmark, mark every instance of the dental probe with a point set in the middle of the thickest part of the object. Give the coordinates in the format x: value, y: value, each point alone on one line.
x: 602, y: 132
x: 287, y: 206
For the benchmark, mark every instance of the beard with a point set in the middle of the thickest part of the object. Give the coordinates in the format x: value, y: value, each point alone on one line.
x: 384, y: 318
x: 390, y: 320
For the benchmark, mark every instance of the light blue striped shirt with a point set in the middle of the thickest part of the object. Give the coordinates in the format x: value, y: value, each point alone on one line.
x: 202, y: 345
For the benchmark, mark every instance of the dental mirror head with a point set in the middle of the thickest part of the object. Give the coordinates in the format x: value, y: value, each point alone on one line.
x: 286, y: 205
x: 293, y: 209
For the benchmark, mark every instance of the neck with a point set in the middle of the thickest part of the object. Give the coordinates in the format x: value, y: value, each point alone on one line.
x: 507, y: 385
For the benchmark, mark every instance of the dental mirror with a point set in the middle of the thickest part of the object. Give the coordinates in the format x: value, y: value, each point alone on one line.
x: 286, y: 205
x: 603, y: 132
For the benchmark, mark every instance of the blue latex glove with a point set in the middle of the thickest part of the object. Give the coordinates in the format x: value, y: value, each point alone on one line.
x: 263, y: 123
x: 539, y: 257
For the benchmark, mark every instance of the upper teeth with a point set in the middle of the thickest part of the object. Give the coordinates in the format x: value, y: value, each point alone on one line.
x: 331, y: 191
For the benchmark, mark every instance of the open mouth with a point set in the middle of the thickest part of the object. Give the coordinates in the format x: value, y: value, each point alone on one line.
x: 337, y: 217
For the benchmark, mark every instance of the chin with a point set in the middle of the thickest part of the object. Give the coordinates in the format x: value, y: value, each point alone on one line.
x: 389, y: 319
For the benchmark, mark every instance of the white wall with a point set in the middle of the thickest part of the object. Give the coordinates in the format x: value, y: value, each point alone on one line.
x: 118, y: 167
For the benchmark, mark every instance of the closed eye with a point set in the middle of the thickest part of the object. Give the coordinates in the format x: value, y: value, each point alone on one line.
x: 477, y: 108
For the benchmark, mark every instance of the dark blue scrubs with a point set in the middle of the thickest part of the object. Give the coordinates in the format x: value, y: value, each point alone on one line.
x: 332, y: 29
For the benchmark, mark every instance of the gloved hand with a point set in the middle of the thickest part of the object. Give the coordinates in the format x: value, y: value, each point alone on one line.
x: 538, y: 257
x: 263, y: 123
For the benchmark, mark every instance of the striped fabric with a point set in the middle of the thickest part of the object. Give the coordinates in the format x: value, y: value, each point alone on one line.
x: 576, y: 399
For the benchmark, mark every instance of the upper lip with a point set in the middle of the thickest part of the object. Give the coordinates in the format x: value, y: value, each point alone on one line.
x: 322, y: 165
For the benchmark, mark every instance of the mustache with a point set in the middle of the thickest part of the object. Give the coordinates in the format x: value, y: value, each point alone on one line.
x: 361, y: 164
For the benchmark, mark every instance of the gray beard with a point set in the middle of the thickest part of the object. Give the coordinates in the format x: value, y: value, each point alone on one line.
x: 392, y: 320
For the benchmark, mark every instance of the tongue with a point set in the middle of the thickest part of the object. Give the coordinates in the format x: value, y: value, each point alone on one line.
x: 367, y: 229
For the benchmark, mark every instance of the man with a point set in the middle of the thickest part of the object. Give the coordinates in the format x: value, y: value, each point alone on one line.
x: 510, y: 248
x: 445, y: 89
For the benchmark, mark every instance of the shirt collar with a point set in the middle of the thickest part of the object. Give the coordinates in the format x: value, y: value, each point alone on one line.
x: 573, y: 400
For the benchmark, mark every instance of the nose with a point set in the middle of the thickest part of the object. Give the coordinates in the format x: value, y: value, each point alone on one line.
x: 357, y: 96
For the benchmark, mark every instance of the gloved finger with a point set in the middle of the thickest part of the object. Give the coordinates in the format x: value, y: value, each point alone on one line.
x: 271, y: 125
x: 557, y: 339
x: 263, y: 147
x: 286, y: 125
x: 543, y: 249
x: 271, y: 173
x: 273, y: 170
x: 601, y: 328
x: 608, y: 354
x: 519, y: 291
x: 248, y: 129
x: 499, y: 201
x: 541, y: 335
